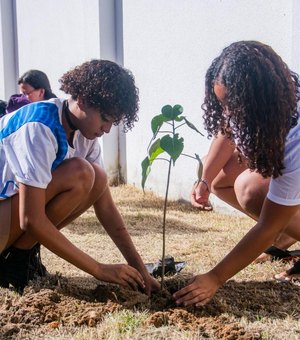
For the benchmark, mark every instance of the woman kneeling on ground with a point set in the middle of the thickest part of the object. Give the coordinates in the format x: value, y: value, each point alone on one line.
x: 253, y: 163
x: 51, y: 174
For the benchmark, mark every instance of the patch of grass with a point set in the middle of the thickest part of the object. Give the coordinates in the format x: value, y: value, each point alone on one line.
x: 250, y: 306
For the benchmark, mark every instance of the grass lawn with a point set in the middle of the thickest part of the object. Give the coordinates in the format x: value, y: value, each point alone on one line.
x: 72, y: 305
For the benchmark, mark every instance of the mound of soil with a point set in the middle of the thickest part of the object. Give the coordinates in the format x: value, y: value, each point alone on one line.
x: 56, y: 301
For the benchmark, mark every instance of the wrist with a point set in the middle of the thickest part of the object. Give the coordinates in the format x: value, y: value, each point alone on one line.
x: 217, y: 277
x: 204, y: 181
x: 99, y: 271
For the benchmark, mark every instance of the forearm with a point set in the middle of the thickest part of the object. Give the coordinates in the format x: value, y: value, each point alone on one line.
x: 110, y: 218
x: 46, y: 233
x: 244, y: 253
x: 273, y: 221
x: 220, y: 151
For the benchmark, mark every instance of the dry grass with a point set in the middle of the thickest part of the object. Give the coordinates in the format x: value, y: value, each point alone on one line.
x: 252, y: 300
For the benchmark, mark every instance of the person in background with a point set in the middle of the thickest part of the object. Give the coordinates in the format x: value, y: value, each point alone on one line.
x: 251, y: 109
x: 3, y: 105
x: 34, y: 86
x: 44, y: 188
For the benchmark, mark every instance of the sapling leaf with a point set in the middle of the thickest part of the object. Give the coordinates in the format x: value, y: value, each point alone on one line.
x: 156, y: 124
x: 146, y: 168
x: 177, y: 110
x: 170, y: 113
x: 200, y: 166
x: 167, y: 112
x: 155, y: 150
x: 173, y: 146
x: 192, y: 126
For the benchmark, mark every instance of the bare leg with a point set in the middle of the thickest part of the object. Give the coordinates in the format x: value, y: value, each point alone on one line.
x: 223, y: 185
x: 64, y: 198
x: 246, y: 191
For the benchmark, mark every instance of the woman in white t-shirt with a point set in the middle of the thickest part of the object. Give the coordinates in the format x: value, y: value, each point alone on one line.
x: 44, y: 185
x: 250, y: 109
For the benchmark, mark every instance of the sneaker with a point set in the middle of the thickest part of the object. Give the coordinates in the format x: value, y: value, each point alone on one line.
x: 3, y: 282
x: 18, y: 266
x: 36, y: 267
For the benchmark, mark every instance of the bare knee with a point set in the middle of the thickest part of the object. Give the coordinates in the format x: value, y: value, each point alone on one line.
x: 74, y: 174
x: 251, y: 189
x: 83, y: 175
x: 100, y: 182
x: 245, y: 192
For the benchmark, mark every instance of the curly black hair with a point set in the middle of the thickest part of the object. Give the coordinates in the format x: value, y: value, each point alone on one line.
x: 107, y: 87
x: 261, y: 103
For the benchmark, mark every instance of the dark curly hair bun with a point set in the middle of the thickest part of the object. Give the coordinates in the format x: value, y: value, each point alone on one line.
x: 106, y: 86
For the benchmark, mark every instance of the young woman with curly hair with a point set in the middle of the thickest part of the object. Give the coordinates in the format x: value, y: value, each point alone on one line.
x: 49, y: 160
x: 253, y: 163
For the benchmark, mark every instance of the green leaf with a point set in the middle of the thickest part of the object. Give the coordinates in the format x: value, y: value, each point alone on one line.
x: 167, y: 112
x: 173, y: 146
x: 156, y: 123
x: 170, y: 113
x: 179, y: 119
x: 177, y: 110
x: 200, y: 167
x: 155, y: 150
x: 192, y: 126
x: 146, y: 168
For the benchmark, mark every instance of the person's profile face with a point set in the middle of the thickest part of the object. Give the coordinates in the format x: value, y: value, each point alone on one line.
x: 221, y: 94
x: 33, y: 95
x: 92, y: 123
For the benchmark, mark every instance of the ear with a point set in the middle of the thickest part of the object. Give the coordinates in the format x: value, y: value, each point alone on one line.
x: 81, y: 103
x: 42, y: 93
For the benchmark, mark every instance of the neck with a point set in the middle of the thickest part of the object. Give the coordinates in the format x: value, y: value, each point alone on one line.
x: 67, y: 114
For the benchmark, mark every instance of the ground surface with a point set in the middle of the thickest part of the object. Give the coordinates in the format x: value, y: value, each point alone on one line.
x: 71, y: 305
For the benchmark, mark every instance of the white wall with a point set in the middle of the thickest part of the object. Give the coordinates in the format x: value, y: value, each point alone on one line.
x: 169, y: 45
x: 56, y: 35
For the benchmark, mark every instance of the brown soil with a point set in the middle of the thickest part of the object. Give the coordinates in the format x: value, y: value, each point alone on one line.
x: 57, y: 301
x: 62, y: 305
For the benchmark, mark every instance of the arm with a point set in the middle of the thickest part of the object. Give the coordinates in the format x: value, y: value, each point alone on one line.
x: 109, y: 216
x: 220, y: 151
x: 273, y: 220
x: 34, y: 220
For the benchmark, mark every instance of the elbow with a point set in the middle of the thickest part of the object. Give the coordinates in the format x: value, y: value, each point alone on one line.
x: 28, y: 224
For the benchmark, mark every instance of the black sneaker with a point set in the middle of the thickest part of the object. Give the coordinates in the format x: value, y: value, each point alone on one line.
x: 21, y: 265
x: 3, y: 282
x: 36, y: 267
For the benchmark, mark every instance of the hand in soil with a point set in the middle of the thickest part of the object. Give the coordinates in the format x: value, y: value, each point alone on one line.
x: 199, y: 197
x: 199, y: 291
x: 121, y: 274
x: 152, y: 285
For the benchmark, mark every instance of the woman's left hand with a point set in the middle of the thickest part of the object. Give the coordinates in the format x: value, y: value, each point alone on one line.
x: 199, y: 291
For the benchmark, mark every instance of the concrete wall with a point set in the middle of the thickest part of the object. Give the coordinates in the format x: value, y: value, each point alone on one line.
x: 167, y: 44
x: 170, y: 44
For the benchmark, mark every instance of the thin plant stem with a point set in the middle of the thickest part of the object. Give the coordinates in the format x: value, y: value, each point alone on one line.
x: 184, y: 154
x: 164, y: 227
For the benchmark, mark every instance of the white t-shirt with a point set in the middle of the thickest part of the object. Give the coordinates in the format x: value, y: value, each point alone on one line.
x: 285, y: 189
x: 33, y: 143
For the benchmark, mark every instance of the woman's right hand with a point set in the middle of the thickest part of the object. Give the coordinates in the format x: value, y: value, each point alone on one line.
x: 200, y: 196
x: 121, y: 274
